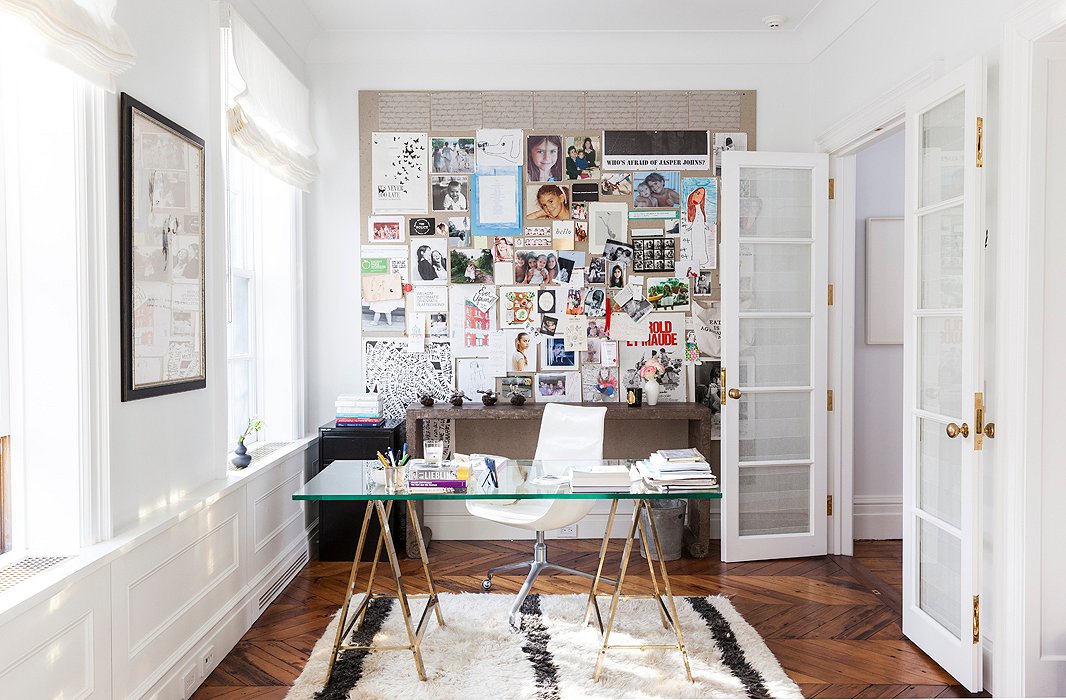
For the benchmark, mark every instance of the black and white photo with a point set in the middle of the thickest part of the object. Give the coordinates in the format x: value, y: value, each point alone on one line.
x: 429, y: 261
x: 595, y: 302
x: 618, y: 252
x: 450, y: 192
x: 653, y: 254
x: 596, y: 273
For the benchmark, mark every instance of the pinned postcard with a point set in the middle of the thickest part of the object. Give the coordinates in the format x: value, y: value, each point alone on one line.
x: 563, y: 235
x: 497, y: 364
x: 574, y: 338
x: 609, y: 353
x: 416, y: 333
x: 399, y: 163
x: 484, y: 298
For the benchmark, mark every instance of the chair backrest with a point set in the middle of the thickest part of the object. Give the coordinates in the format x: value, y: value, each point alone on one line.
x: 571, y: 432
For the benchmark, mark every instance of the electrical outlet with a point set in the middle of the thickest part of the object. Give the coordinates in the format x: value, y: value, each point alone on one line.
x: 207, y: 661
x: 568, y: 531
x: 190, y: 681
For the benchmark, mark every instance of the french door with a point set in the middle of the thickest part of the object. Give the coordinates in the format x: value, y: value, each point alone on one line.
x: 944, y: 427
x: 774, y: 335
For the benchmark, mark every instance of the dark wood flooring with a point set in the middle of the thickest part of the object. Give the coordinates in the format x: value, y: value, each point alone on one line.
x: 833, y: 622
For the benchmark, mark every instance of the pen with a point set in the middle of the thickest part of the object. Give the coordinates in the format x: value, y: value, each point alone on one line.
x: 404, y: 460
x: 382, y: 458
x: 391, y: 458
x: 405, y: 449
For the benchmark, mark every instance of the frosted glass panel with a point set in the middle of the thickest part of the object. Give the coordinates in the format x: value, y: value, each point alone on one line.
x: 775, y: 352
x: 940, y: 245
x: 940, y: 576
x: 940, y: 365
x: 776, y: 203
x: 775, y: 277
x: 940, y: 472
x: 943, y: 150
x: 775, y: 500
x: 774, y: 426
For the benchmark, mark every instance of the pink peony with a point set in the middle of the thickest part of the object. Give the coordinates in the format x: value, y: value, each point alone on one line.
x: 651, y: 370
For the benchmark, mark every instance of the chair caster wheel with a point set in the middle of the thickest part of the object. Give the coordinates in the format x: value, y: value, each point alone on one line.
x: 486, y: 585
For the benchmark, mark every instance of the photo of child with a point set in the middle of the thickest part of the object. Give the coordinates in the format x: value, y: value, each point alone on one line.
x: 471, y: 266
x: 599, y: 384
x: 453, y: 154
x: 558, y: 387
x: 438, y: 325
x: 575, y: 303
x: 595, y: 303
x: 596, y: 273
x: 581, y: 158
x: 385, y: 229
x: 544, y: 158
x: 548, y: 202
x: 450, y: 192
x: 579, y: 211
x: 657, y: 189
x: 616, y: 275
x: 535, y: 267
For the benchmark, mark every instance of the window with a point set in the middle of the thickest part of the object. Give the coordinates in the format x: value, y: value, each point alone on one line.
x: 50, y: 132
x: 264, y: 230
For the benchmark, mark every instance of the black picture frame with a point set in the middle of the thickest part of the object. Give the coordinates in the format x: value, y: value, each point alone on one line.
x: 162, y: 232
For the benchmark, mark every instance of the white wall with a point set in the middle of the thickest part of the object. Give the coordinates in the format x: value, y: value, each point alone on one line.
x: 878, y: 450
x: 333, y: 355
x: 161, y: 448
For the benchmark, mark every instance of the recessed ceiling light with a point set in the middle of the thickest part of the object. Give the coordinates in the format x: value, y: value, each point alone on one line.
x: 774, y: 21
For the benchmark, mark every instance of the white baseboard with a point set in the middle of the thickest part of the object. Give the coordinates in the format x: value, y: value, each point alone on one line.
x: 877, y: 518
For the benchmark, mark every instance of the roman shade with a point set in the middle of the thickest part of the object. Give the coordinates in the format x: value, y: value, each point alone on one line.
x: 270, y: 120
x: 80, y: 34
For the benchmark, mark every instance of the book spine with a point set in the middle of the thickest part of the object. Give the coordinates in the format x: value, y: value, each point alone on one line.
x: 436, y: 483
x: 363, y: 414
x: 359, y: 421
x: 435, y: 489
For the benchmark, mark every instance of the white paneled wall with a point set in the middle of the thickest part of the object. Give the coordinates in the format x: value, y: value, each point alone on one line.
x: 138, y: 619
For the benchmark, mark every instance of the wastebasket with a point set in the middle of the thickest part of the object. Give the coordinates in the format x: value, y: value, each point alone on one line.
x: 669, y: 514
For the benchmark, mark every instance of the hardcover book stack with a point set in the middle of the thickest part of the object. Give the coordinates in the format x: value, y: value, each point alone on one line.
x: 359, y: 411
x: 677, y: 471
x: 600, y: 478
x: 440, y: 479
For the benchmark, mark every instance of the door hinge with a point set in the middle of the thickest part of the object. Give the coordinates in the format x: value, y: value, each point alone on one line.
x: 830, y: 295
x: 829, y: 505
x: 832, y: 188
x: 980, y: 142
x: 829, y: 399
x: 977, y: 619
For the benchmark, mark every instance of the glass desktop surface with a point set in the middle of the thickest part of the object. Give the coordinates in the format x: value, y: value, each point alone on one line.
x: 352, y: 480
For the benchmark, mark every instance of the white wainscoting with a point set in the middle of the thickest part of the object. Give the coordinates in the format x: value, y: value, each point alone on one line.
x: 878, y: 517
x: 142, y: 613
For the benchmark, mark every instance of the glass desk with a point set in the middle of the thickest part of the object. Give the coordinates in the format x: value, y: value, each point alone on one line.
x: 354, y: 480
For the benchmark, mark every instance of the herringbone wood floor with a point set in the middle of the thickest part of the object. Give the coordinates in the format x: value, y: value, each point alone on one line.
x: 833, y: 622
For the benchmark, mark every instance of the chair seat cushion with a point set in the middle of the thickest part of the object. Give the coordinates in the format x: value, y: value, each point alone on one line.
x: 533, y: 514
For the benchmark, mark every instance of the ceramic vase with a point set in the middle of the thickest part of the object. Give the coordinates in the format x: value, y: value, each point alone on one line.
x: 651, y: 392
x: 241, y: 458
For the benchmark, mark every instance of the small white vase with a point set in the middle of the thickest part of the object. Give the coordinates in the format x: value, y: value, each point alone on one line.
x: 651, y: 392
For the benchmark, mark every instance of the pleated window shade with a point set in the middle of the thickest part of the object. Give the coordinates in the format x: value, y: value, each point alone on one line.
x: 80, y: 34
x: 270, y: 118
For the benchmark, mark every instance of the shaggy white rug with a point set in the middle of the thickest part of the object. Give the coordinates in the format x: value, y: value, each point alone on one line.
x: 552, y: 657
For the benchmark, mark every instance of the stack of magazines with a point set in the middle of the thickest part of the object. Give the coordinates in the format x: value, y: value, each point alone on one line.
x: 359, y: 410
x: 443, y: 478
x: 677, y: 471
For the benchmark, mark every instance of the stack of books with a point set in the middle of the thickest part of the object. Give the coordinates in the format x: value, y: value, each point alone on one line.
x: 359, y: 410
x: 600, y: 478
x: 677, y: 471
x: 439, y: 480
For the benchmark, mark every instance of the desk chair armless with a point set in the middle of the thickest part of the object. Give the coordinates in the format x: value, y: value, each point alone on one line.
x: 566, y: 432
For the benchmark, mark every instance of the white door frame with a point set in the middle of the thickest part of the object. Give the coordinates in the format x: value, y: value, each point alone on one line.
x: 1020, y: 667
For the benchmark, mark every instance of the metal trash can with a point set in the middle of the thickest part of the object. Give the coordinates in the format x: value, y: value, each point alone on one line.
x: 669, y: 514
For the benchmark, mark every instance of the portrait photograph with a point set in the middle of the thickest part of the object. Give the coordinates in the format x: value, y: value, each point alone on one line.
x: 554, y: 355
x: 521, y: 351
x: 616, y: 275
x: 544, y: 158
x: 452, y: 154
x: 429, y: 261
x: 657, y: 190
x: 596, y: 272
x: 450, y: 192
x: 560, y: 387
x: 618, y: 252
x: 582, y: 157
x: 547, y: 202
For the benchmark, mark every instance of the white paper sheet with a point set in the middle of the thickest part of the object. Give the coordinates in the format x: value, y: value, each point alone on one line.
x: 497, y: 361
x: 416, y: 333
x: 496, y: 199
x: 574, y: 332
x: 399, y: 163
x: 609, y: 353
x: 484, y: 298
x: 425, y: 299
x: 499, y: 148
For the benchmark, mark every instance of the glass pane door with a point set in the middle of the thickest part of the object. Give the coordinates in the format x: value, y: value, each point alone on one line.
x: 774, y: 261
x: 943, y: 248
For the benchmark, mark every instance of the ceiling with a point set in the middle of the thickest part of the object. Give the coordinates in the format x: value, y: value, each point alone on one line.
x: 559, y: 15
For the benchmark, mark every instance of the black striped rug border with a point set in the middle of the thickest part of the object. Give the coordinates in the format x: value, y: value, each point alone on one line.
x: 348, y: 670
x: 732, y: 654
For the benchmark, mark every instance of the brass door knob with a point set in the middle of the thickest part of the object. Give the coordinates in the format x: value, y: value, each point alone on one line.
x: 954, y: 430
x: 990, y: 430
x: 734, y: 393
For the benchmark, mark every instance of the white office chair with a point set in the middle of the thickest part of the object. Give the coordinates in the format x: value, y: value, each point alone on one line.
x: 566, y: 432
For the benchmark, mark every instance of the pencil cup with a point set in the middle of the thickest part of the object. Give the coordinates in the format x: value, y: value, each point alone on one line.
x: 394, y: 479
x: 433, y: 450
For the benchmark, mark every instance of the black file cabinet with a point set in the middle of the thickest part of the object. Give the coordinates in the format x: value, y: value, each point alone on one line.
x: 339, y: 521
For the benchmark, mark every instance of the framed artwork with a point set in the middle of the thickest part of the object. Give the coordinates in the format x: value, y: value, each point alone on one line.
x: 161, y: 210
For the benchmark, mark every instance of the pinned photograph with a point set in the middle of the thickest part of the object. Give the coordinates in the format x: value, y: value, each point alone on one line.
x: 616, y: 275
x: 450, y: 192
x: 536, y: 266
x: 547, y: 202
x: 657, y: 190
x: 472, y: 266
x: 459, y: 235
x: 507, y: 386
x: 619, y: 252
x: 575, y: 301
x: 429, y: 261
x: 385, y: 229
x: 581, y: 231
x: 517, y: 306
x: 733, y: 141
x: 537, y: 237
x: 438, y: 325
x: 670, y: 294
x: 704, y: 283
x: 616, y: 184
x: 582, y: 158
x: 607, y: 221
x: 592, y: 352
x: 548, y: 325
x: 522, y: 353
x: 554, y: 355
x: 653, y: 254
x: 441, y: 228
x: 599, y: 384
x: 502, y: 248
x: 596, y: 272
x: 596, y: 303
x: 421, y: 225
x: 579, y: 211
x: 546, y: 301
x: 637, y: 308
x: 558, y: 387
x: 570, y: 261
x: 597, y: 328
x: 544, y: 158
x: 452, y: 154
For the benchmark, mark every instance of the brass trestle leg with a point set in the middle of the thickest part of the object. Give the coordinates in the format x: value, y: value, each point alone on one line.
x: 592, y: 606
x: 414, y: 633
x: 667, y: 608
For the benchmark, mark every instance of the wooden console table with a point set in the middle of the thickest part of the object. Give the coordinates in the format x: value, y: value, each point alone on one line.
x: 619, y: 417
